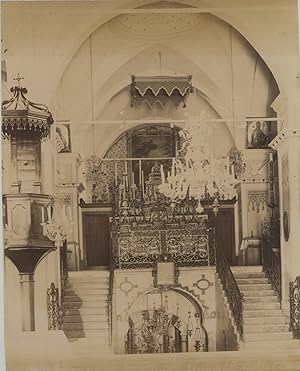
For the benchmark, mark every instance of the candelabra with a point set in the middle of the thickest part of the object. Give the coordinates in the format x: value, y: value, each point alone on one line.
x: 199, y: 174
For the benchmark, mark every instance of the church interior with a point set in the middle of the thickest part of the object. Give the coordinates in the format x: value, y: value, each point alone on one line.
x: 150, y: 180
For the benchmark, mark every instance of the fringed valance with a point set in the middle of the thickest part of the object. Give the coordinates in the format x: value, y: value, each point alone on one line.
x: 160, y: 90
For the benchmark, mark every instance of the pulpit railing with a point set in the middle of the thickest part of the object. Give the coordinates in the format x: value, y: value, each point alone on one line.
x: 295, y: 307
x: 231, y: 289
x: 272, y: 266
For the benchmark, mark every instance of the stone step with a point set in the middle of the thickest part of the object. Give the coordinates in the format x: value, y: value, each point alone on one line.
x: 101, y: 336
x: 100, y: 326
x: 246, y: 269
x: 249, y: 275
x: 254, y: 306
x: 85, y: 318
x: 253, y: 286
x: 272, y: 345
x: 86, y: 282
x: 83, y: 288
x: 261, y: 299
x: 257, y: 293
x: 252, y: 281
x: 269, y: 336
x: 86, y: 298
x: 89, y: 304
x: 262, y: 313
x: 89, y: 273
x: 264, y: 320
x: 83, y: 311
x: 266, y: 328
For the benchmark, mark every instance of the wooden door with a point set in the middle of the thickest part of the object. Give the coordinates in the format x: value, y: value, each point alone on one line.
x: 96, y: 239
x: 224, y: 224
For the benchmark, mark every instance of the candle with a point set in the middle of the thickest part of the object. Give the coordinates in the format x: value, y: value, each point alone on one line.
x: 232, y: 171
x: 142, y: 185
x: 173, y: 167
x: 43, y: 214
x: 271, y: 156
x: 70, y: 212
x: 116, y: 173
x: 162, y: 174
x: 49, y: 213
x: 125, y: 167
x: 227, y: 164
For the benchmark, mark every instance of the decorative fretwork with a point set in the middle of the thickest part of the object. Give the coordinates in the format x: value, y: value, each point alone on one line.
x: 257, y: 200
x: 53, y: 307
x: 138, y: 244
x: 272, y: 266
x: 295, y: 307
x: 232, y: 291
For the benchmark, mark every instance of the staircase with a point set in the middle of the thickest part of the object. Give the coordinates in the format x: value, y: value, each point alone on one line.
x: 265, y: 326
x: 85, y: 312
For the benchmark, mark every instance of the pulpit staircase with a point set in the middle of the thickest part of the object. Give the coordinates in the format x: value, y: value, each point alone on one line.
x: 265, y: 327
x: 86, y: 312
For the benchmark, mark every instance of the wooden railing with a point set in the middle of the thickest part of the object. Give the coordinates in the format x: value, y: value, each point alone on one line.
x: 231, y: 289
x: 272, y: 266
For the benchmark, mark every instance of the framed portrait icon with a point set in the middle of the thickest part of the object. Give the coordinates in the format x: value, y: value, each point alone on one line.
x: 260, y: 133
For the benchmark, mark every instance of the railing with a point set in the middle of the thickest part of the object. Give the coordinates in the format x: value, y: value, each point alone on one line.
x: 232, y: 291
x: 136, y: 245
x: 110, y: 307
x: 272, y: 266
x: 63, y: 268
x: 53, y: 307
x: 295, y: 307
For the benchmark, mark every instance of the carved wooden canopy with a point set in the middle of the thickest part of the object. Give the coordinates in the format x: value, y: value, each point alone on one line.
x: 20, y: 114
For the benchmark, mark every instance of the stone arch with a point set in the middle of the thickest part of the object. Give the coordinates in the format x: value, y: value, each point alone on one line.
x: 169, y: 329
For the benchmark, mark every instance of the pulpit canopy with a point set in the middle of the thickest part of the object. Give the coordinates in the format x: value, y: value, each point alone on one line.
x: 21, y: 115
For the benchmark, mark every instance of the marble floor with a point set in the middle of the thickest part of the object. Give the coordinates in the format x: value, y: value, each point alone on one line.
x: 214, y: 361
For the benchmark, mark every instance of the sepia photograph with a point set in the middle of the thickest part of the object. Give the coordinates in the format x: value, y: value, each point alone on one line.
x: 150, y: 185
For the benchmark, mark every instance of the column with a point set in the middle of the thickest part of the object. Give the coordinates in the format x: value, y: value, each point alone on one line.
x: 27, y: 297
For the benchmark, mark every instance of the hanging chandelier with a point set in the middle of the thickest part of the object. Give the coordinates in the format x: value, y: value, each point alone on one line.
x: 198, y: 173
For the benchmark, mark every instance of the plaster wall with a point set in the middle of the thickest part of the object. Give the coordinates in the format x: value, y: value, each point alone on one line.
x: 45, y: 273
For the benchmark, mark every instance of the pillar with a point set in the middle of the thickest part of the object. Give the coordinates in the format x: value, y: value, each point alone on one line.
x: 27, y: 297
